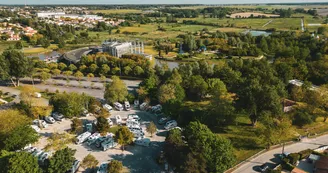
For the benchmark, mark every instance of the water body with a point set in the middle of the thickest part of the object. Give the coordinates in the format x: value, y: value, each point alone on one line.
x: 256, y: 33
x: 43, y: 56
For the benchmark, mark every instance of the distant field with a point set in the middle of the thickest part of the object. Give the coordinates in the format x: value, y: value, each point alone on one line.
x: 306, y: 7
x: 323, y: 12
x: 119, y: 11
x: 255, y: 14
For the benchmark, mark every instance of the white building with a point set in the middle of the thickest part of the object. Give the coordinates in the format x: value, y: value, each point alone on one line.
x: 49, y: 14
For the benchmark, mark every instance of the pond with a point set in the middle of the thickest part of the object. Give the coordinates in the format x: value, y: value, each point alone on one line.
x: 256, y: 33
x: 43, y: 56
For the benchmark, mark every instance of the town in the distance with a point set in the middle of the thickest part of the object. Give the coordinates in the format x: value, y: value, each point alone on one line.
x: 163, y: 88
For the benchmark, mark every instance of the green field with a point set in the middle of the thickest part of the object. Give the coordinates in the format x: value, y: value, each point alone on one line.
x: 118, y: 11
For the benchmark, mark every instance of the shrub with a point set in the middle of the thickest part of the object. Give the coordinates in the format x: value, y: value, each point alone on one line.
x: 305, y: 153
x: 293, y: 158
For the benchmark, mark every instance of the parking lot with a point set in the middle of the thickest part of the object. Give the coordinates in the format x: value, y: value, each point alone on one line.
x: 135, y: 158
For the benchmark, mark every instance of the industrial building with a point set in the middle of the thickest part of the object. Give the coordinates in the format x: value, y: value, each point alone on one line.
x: 117, y: 49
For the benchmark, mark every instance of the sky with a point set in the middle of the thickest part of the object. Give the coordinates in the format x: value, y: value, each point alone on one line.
x: 153, y: 1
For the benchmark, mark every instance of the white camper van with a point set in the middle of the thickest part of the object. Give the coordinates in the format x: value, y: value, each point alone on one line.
x: 82, y: 137
x: 118, y: 106
x: 132, y: 122
x: 108, y: 143
x: 127, y: 105
x: 107, y: 107
x: 118, y: 119
x: 92, y: 139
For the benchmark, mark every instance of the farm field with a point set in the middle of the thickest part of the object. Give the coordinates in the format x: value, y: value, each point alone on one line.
x: 118, y: 11
x: 255, y: 14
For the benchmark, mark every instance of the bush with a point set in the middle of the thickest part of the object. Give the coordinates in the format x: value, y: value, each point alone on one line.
x: 302, y: 118
x: 287, y: 166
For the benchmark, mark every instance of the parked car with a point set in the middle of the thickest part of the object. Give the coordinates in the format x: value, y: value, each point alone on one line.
x: 132, y: 122
x: 143, y: 106
x: 36, y: 128
x: 143, y: 142
x: 110, y: 122
x: 127, y: 105
x: 42, y: 157
x: 135, y: 128
x: 57, y: 116
x: 37, y: 95
x: 163, y: 120
x: 103, y: 168
x: 30, y: 149
x: 36, y: 152
x: 118, y: 106
x: 108, y: 107
x: 263, y: 168
x: 170, y: 124
x: 92, y: 139
x: 40, y: 123
x: 118, y: 119
x: 136, y: 103
x: 75, y: 167
x: 156, y: 108
x: 49, y: 120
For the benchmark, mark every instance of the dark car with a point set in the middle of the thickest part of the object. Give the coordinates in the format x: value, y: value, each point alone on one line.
x: 263, y: 168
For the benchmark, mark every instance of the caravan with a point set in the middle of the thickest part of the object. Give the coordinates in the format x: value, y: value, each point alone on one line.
x: 107, y: 107
x: 118, y: 106
x: 118, y: 119
x: 92, y: 139
x: 108, y: 143
x: 132, y: 122
x: 83, y: 137
x: 127, y: 105
x: 143, y: 142
x: 134, y: 117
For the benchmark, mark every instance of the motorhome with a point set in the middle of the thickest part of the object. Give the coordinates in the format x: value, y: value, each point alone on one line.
x: 170, y: 124
x: 135, y: 128
x: 127, y: 105
x: 138, y: 134
x: 108, y: 143
x: 107, y: 107
x: 83, y: 137
x: 110, y: 122
x: 103, y: 168
x: 143, y: 142
x: 132, y: 122
x: 92, y: 139
x: 134, y: 116
x: 118, y: 106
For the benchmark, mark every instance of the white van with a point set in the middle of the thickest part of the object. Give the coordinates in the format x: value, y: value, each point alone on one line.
x: 127, y: 105
x: 108, y: 143
x: 82, y: 137
x: 40, y: 123
x: 170, y: 124
x: 107, y: 107
x: 137, y: 134
x: 110, y: 122
x: 36, y: 128
x: 134, y: 116
x: 118, y: 106
x: 93, y: 138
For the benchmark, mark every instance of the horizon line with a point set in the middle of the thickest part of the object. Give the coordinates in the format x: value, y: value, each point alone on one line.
x: 282, y: 3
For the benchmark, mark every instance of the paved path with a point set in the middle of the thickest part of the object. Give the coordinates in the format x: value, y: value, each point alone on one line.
x: 269, y: 156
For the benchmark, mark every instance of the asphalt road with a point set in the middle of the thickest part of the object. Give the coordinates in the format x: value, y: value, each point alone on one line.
x: 270, y: 157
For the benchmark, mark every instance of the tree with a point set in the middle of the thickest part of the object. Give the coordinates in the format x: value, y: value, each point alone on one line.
x: 89, y: 161
x: 104, y: 69
x: 151, y: 128
x: 16, y: 66
x: 19, y: 45
x: 61, y: 43
x: 138, y: 71
x: 115, y: 166
x: 127, y: 70
x: 20, y: 137
x: 194, y: 163
x: 102, y: 125
x: 43, y: 76
x: 62, y: 66
x: 189, y: 43
x: 72, y: 67
x: 217, y: 151
x: 123, y: 136
x: 115, y: 90
x: 197, y: 86
x: 166, y: 92
x: 27, y: 94
x: 19, y: 162
x: 45, y: 43
x: 77, y: 125
x: 93, y: 68
x: 78, y: 75
x: 61, y: 161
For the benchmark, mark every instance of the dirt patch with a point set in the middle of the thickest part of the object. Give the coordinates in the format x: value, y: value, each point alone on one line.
x: 248, y: 14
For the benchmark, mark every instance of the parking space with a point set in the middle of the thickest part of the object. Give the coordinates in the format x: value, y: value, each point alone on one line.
x: 135, y: 158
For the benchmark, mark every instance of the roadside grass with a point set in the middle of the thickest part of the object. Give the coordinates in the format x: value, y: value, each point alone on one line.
x: 118, y: 11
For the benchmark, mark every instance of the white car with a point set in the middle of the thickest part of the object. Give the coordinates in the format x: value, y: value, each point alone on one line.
x: 49, y: 120
x: 143, y: 142
x: 156, y: 108
x: 75, y: 167
x: 36, y: 152
x: 170, y: 124
x: 40, y: 123
x: 92, y: 139
x: 42, y: 157
x: 143, y: 106
x: 127, y: 105
x: 103, y: 168
x: 110, y: 122
x: 30, y: 149
x: 136, y: 103
x: 57, y: 116
x: 118, y: 119
x: 36, y: 128
x: 118, y: 106
x: 107, y: 107
x: 37, y: 95
x: 132, y: 122
x: 82, y: 138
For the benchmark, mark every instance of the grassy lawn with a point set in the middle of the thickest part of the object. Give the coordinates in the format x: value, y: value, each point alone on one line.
x: 118, y: 11
x: 37, y: 50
